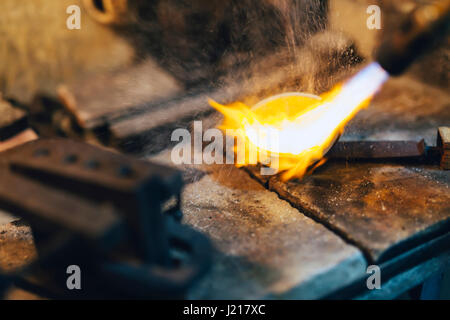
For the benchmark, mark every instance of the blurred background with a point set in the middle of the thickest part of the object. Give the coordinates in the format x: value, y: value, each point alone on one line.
x: 193, y: 42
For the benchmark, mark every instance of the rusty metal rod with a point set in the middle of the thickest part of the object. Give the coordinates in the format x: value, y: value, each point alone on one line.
x: 381, y: 150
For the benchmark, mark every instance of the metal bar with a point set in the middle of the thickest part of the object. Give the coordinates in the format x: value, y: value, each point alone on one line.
x: 377, y: 149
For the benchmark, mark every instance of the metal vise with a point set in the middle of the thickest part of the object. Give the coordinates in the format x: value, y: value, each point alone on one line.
x: 114, y: 217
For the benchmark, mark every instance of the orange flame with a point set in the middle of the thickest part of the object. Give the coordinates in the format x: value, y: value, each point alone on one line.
x: 297, y: 130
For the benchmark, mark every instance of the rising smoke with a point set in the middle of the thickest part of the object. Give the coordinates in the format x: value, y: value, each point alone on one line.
x: 270, y: 45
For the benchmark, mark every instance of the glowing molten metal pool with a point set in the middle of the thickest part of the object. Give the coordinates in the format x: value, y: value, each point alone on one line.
x: 298, y: 129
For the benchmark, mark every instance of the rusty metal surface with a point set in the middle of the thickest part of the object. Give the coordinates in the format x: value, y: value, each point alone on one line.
x: 377, y: 206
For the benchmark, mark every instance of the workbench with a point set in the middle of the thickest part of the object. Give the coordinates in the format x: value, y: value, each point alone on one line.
x: 315, y: 238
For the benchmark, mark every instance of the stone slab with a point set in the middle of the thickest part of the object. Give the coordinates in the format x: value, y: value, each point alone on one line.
x: 265, y: 247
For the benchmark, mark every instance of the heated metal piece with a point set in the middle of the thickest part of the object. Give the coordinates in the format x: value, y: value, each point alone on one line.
x: 115, y: 217
x: 395, y: 149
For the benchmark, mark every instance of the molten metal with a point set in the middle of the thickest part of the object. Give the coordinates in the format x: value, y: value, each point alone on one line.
x: 299, y: 129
